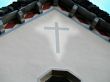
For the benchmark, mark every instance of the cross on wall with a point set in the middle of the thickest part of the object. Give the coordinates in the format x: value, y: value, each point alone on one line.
x: 57, y: 34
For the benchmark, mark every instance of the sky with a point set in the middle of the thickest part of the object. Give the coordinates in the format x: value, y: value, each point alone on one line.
x: 4, y: 3
x: 103, y: 4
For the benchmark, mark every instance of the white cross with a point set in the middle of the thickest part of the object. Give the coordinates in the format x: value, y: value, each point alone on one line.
x: 57, y: 28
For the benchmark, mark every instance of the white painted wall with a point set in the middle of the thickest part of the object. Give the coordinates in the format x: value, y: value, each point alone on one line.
x: 29, y: 51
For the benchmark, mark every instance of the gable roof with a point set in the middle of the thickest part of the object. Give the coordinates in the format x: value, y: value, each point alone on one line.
x: 83, y: 14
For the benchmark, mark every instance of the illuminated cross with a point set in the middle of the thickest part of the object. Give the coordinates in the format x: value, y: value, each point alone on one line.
x: 57, y: 36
